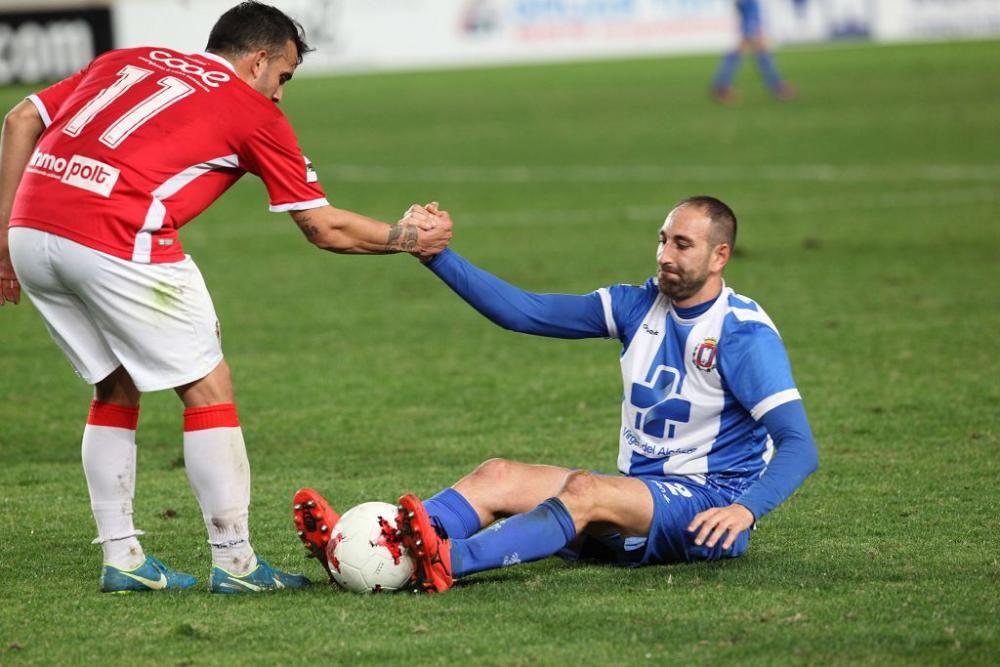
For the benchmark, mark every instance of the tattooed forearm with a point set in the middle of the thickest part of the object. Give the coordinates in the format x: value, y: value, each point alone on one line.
x: 304, y: 221
x: 402, y: 237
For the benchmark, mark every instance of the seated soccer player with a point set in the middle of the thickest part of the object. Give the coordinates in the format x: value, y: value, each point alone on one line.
x: 713, y: 435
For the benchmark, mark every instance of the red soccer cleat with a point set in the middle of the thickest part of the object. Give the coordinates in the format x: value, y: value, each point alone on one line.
x: 431, y: 553
x: 314, y: 519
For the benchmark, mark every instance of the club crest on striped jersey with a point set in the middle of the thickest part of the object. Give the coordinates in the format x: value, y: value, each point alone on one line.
x: 706, y: 354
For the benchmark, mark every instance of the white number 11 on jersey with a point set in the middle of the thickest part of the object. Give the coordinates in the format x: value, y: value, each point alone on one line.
x: 171, y: 90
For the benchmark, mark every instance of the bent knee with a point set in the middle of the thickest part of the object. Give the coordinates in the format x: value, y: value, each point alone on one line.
x: 494, y: 472
x: 578, y: 490
x: 213, y: 389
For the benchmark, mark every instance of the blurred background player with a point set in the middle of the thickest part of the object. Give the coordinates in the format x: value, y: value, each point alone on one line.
x: 752, y: 40
x: 708, y: 398
x: 107, y: 165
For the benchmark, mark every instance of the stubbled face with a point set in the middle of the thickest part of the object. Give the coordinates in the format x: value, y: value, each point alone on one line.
x: 271, y: 72
x: 686, y: 256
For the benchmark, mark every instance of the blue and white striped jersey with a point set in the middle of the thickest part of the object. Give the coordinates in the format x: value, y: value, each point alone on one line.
x: 705, y: 388
x: 696, y: 384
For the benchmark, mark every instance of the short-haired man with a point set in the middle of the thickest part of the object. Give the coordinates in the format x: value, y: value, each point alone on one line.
x: 107, y: 165
x: 708, y: 397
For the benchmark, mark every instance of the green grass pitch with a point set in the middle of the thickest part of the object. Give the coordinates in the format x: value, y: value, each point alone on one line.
x: 869, y: 231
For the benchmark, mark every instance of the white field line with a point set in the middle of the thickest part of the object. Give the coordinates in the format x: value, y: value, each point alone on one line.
x: 816, y: 206
x: 519, y: 174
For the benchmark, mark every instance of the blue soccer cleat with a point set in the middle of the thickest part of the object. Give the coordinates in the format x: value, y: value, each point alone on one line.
x: 151, y: 575
x: 261, y: 578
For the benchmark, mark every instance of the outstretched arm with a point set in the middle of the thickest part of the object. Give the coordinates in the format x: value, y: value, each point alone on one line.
x: 553, y: 315
x: 342, y: 231
x: 21, y: 128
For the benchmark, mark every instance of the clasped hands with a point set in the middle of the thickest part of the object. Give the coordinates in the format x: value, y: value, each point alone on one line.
x: 435, y: 224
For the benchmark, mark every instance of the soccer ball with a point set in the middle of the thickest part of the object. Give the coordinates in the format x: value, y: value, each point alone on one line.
x: 364, y: 552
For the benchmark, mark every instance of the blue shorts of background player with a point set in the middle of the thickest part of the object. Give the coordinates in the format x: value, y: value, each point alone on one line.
x: 751, y: 25
x: 676, y: 502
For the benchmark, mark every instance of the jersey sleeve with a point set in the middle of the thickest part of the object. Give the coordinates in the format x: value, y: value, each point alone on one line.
x: 50, y: 100
x: 625, y: 306
x: 552, y: 315
x: 795, y: 459
x: 755, y: 367
x: 272, y: 153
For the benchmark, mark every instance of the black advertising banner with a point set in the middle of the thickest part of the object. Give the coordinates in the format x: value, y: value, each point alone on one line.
x: 48, y: 45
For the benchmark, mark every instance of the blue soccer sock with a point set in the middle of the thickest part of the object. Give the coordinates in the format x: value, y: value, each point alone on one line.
x: 730, y: 63
x: 765, y: 61
x: 524, y: 537
x: 452, y: 514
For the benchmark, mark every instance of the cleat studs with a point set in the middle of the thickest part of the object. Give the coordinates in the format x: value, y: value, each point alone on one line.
x: 302, y: 533
x: 323, y: 528
x: 311, y: 504
x: 297, y: 507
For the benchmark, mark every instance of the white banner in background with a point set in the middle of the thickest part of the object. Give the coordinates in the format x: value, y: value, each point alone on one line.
x: 409, y: 34
x: 941, y: 19
x: 353, y: 35
x: 799, y: 21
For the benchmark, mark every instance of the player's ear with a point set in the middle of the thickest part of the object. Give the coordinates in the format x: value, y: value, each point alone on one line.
x: 260, y: 58
x: 720, y: 256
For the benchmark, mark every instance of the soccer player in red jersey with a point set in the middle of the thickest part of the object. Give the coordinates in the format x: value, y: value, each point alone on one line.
x: 97, y: 175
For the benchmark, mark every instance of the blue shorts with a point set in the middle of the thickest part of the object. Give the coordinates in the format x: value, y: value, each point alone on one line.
x: 676, y: 500
x: 750, y: 18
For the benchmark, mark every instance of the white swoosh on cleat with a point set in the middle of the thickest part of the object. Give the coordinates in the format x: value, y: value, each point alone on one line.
x: 232, y: 583
x: 155, y: 584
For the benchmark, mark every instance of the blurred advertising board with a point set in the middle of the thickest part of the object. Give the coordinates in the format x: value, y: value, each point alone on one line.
x: 412, y: 34
x: 942, y: 19
x: 48, y: 39
x: 46, y: 42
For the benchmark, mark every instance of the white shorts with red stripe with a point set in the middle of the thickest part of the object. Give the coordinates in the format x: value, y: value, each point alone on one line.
x: 156, y: 320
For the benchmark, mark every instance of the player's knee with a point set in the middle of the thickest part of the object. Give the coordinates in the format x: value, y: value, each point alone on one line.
x: 493, y: 473
x: 213, y: 389
x: 577, y: 494
x: 117, y: 388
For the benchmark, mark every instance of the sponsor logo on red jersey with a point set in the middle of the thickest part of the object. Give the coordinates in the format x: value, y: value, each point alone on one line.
x: 79, y: 171
x: 211, y: 78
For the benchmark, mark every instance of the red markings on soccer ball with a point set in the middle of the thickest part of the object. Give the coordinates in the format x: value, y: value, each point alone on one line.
x: 331, y: 548
x: 389, y: 538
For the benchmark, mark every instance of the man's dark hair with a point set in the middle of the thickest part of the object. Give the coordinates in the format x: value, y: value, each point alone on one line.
x: 722, y: 217
x: 250, y: 26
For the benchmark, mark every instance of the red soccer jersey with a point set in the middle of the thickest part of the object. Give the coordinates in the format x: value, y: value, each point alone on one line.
x: 142, y: 140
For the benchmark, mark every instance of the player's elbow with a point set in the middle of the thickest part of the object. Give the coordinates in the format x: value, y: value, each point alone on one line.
x: 24, y: 118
